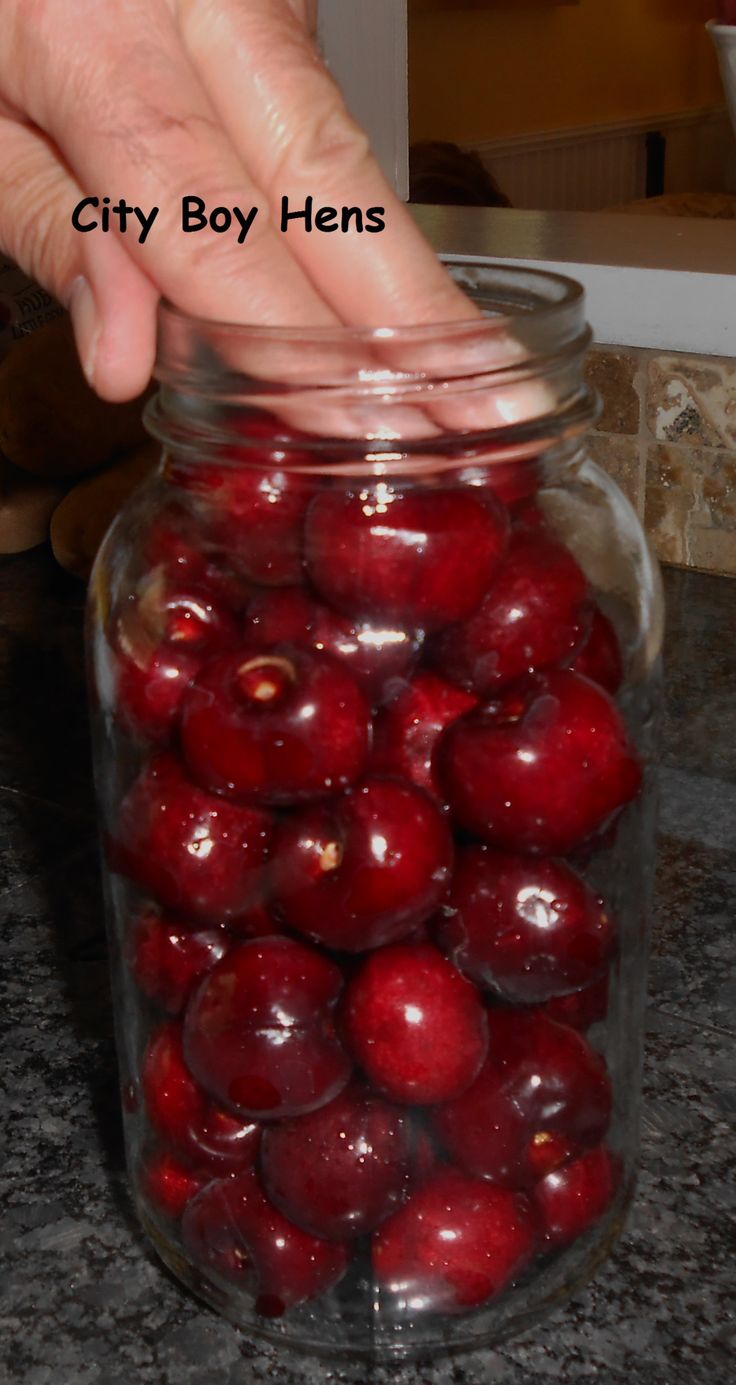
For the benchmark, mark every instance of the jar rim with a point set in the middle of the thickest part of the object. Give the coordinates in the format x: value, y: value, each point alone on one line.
x: 550, y: 294
x: 511, y: 376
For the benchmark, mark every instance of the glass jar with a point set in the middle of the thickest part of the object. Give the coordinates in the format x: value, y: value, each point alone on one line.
x: 374, y: 668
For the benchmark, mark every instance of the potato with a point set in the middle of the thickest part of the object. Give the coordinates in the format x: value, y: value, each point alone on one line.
x: 51, y: 423
x: 80, y: 522
x: 26, y: 507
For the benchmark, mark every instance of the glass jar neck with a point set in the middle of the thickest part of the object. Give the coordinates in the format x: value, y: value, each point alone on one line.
x: 505, y: 384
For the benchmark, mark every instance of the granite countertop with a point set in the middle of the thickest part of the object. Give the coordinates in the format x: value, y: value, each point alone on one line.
x: 85, y: 1302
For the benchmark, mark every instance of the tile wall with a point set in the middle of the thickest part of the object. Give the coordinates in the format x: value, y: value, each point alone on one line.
x: 667, y: 434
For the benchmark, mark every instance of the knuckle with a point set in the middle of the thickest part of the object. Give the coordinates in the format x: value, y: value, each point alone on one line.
x: 330, y: 146
x: 34, y: 232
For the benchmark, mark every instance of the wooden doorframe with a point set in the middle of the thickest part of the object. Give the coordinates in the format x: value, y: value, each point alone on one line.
x: 366, y: 47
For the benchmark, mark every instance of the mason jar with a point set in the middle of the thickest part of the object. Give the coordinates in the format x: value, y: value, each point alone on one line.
x: 374, y: 666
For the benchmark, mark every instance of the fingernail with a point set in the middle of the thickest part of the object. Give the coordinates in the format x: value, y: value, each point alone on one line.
x: 87, y: 326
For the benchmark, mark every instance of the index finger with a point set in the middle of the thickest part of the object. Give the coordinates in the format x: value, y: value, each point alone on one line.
x: 288, y: 120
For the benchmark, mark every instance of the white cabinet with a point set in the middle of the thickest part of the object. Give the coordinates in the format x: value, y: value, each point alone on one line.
x: 365, y: 44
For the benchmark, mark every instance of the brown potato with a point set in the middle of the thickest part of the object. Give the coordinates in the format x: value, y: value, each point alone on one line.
x: 26, y: 507
x: 80, y: 522
x: 51, y: 423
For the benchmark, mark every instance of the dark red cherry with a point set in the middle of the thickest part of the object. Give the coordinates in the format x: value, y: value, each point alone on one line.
x: 542, y: 1096
x: 534, y: 615
x: 543, y: 767
x: 233, y: 1230
x: 258, y: 922
x: 199, y: 855
x: 162, y: 635
x: 186, y: 1118
x: 341, y: 1171
x: 279, y: 727
x: 581, y: 1008
x: 253, y: 503
x: 426, y: 1158
x: 167, y: 960
x: 168, y: 1184
x: 259, y: 1032
x: 526, y: 928
x: 174, y: 541
x: 513, y: 482
x: 379, y: 654
x: 572, y: 1198
x: 600, y: 657
x: 455, y: 1245
x: 364, y: 869
x: 424, y: 557
x: 527, y: 514
x: 408, y: 728
x: 415, y: 1024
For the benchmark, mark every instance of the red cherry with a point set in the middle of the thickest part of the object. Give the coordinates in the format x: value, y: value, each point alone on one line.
x: 574, y: 1197
x: 408, y: 728
x: 258, y: 922
x: 581, y: 1008
x: 600, y: 657
x: 259, y: 1033
x: 234, y: 1231
x: 185, y: 1116
x: 456, y: 1244
x: 364, y: 869
x: 426, y: 1159
x: 377, y: 653
x: 252, y: 501
x: 168, y: 1184
x: 415, y: 1024
x: 341, y: 1171
x: 425, y: 557
x: 542, y: 1095
x: 174, y: 541
x: 527, y: 514
x: 535, y: 614
x: 162, y: 635
x: 543, y: 767
x: 281, y: 726
x: 513, y: 482
x: 526, y: 928
x: 168, y: 960
x: 196, y: 853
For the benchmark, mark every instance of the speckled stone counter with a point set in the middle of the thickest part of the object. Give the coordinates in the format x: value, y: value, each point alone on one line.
x: 85, y: 1303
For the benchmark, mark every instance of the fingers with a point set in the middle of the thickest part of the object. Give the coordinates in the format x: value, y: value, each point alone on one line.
x: 287, y: 119
x: 134, y: 121
x: 113, y: 305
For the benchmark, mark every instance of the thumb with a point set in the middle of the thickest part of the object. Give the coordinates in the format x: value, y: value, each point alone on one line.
x: 111, y: 301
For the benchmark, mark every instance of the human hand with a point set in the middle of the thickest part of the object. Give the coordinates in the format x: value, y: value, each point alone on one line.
x: 228, y: 100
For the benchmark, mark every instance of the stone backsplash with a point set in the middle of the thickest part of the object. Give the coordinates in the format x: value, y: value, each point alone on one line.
x: 667, y: 434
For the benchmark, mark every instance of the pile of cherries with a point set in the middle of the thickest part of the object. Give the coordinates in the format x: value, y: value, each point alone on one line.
x: 370, y: 719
